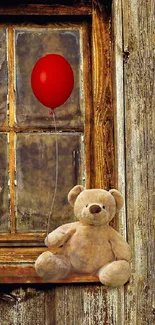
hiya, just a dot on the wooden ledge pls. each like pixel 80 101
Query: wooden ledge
pixel 17 266
pixel 24 273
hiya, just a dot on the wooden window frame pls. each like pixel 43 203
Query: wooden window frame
pixel 27 238
pixel 17 263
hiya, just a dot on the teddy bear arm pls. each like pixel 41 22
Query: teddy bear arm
pixel 59 236
pixel 120 247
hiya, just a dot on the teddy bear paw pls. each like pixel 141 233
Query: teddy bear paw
pixel 115 274
pixel 51 267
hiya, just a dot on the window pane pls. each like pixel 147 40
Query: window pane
pixel 35 161
pixel 3 77
pixel 4 192
pixel 30 45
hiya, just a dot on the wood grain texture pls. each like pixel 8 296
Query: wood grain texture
pixel 46 9
pixel 25 238
pixel 25 273
pixel 117 299
pixel 138 26
pixel 54 304
pixel 103 126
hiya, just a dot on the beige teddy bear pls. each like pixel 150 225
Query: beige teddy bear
pixel 90 245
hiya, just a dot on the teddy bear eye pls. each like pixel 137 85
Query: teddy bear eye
pixel 103 206
pixel 86 205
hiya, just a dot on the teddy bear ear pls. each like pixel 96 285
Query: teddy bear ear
pixel 118 198
pixel 72 195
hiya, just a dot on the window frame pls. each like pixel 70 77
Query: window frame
pixel 35 238
pixel 17 263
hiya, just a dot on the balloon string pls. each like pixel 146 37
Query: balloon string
pixel 56 174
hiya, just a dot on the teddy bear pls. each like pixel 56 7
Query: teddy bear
pixel 89 245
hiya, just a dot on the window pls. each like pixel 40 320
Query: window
pixel 27 151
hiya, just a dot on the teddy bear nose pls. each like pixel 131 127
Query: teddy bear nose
pixel 95 208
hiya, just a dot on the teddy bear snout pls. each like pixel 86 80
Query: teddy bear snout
pixel 94 209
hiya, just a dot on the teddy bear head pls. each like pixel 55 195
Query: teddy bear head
pixel 95 206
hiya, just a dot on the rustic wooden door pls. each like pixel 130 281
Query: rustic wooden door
pixel 121 145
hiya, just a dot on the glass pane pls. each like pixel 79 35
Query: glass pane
pixel 3 77
pixel 30 45
pixel 4 191
pixel 35 161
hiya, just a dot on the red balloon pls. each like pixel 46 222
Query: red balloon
pixel 52 80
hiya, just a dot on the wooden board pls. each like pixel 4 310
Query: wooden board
pixel 138 25
pixel 55 304
pixel 47 9
pixel 102 127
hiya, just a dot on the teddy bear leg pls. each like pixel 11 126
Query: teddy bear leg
pixel 115 274
pixel 52 267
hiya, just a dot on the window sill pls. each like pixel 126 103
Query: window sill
pixel 17 266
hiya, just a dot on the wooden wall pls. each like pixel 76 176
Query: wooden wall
pixel 139 100
pixel 133 42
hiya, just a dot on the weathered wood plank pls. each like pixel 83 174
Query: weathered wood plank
pixel 116 297
pixel 138 22
pixel 14 3
pixel 118 104
pixel 102 125
pixel 26 306
pixel 46 10
pixel 55 304
pixel 25 273
pixel 21 238
pixel 17 266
